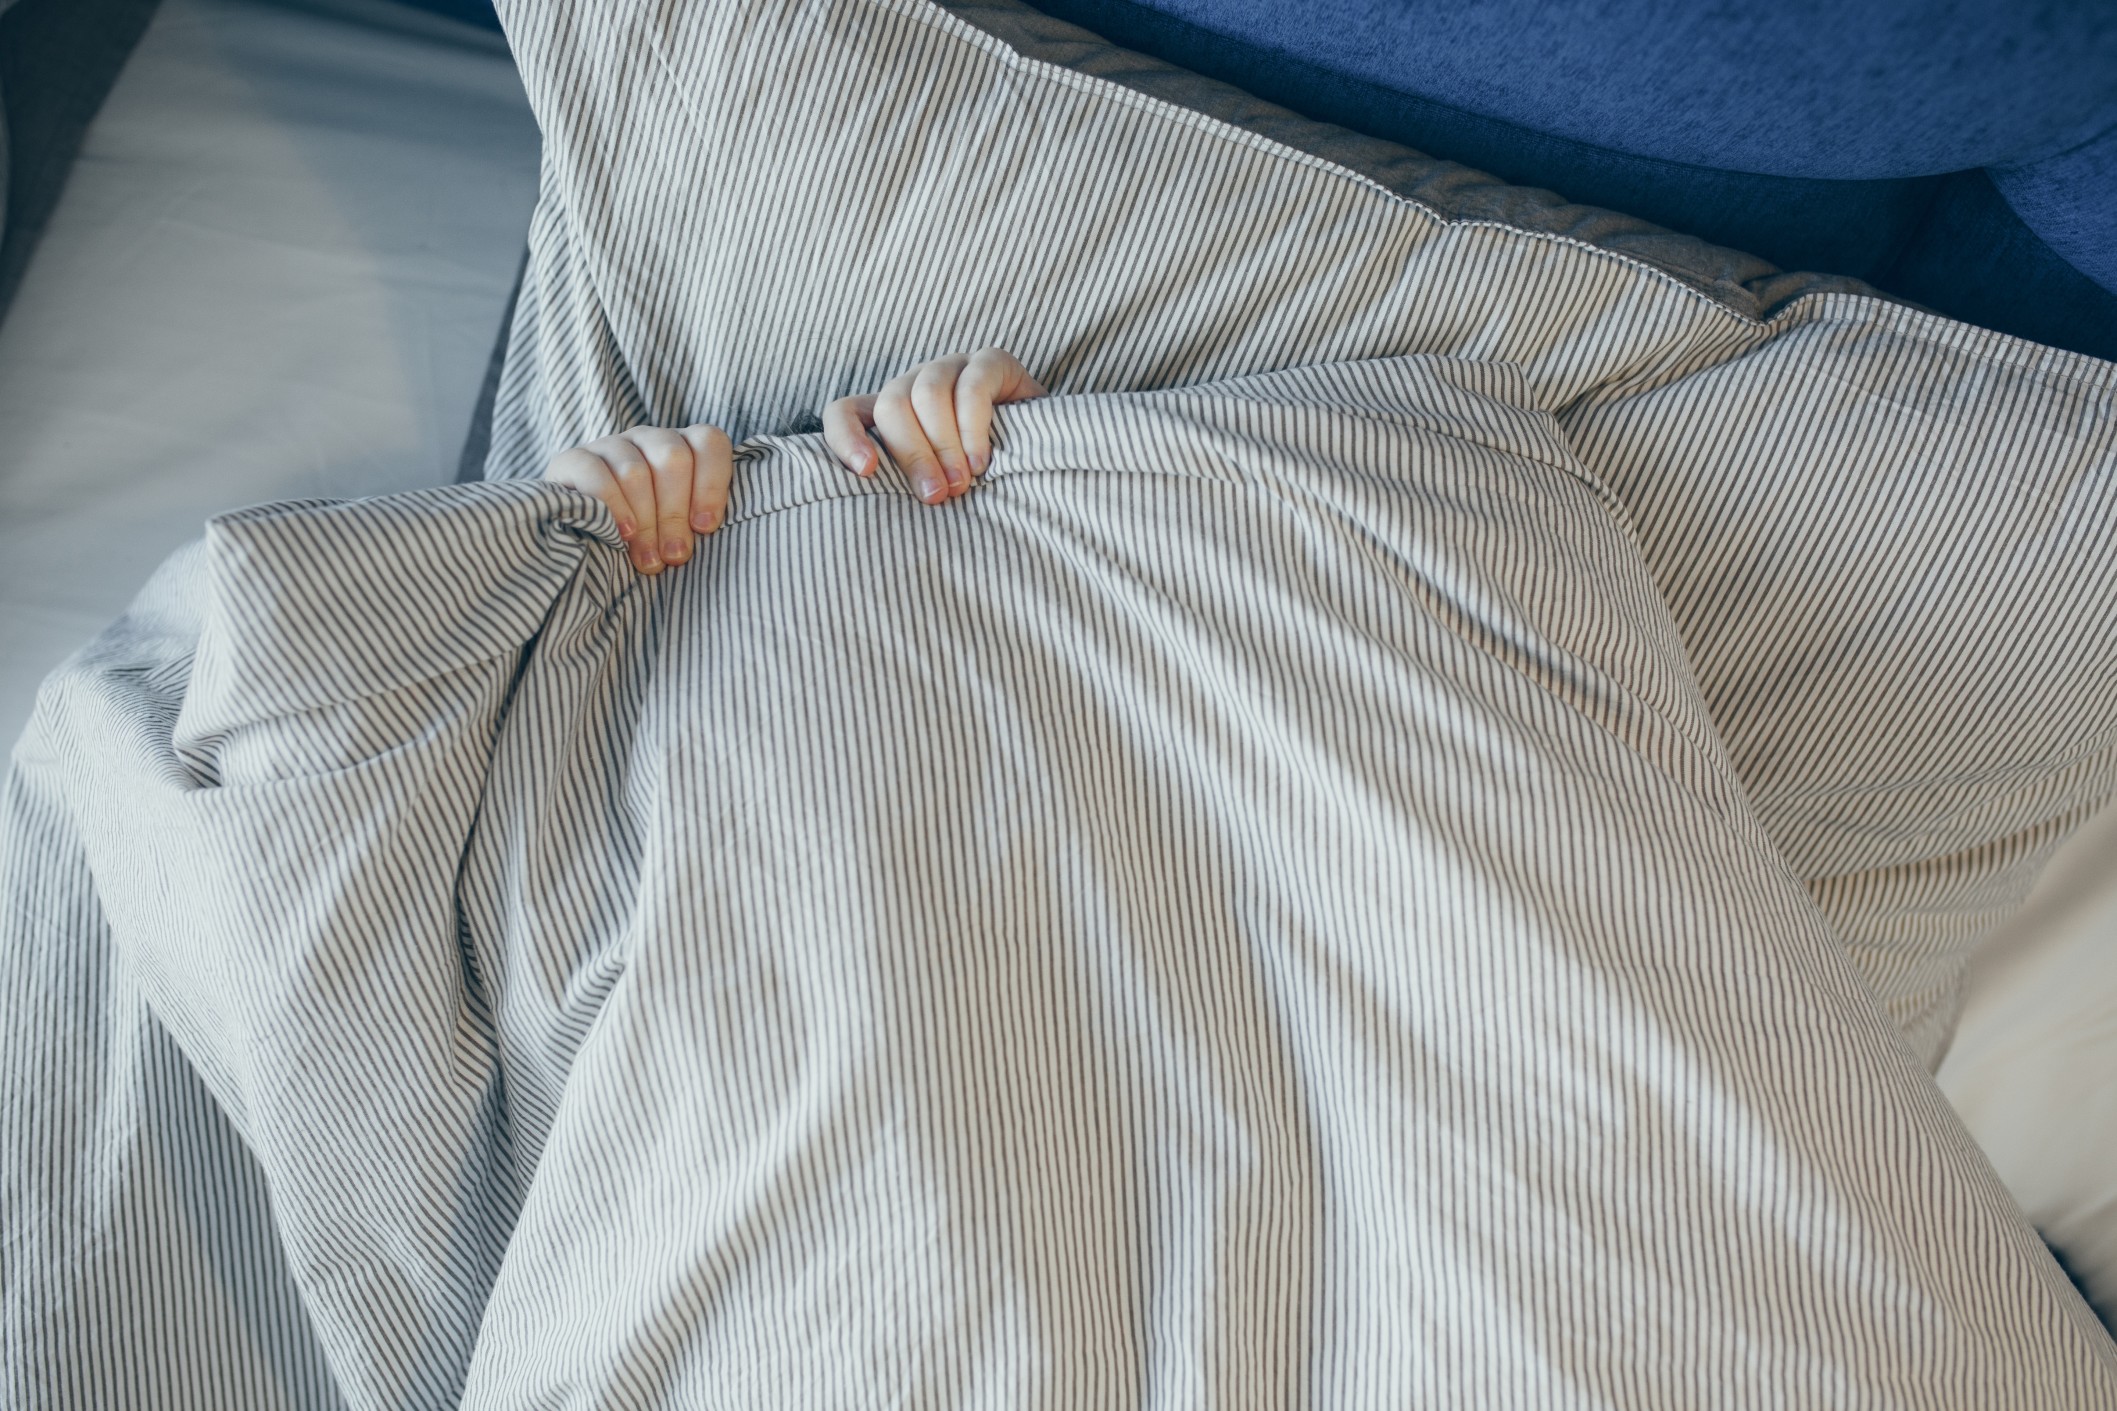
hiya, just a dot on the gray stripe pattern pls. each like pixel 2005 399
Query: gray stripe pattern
pixel 1369 884
pixel 1823 496
pixel 1248 907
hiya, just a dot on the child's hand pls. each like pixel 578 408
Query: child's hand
pixel 935 419
pixel 660 486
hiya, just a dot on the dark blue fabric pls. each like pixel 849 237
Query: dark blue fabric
pixel 2056 197
pixel 1834 89
pixel 1975 260
pixel 1927 231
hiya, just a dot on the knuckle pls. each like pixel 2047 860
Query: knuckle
pixel 935 405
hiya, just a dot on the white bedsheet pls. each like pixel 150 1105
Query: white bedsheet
pixel 2034 1066
pixel 277 270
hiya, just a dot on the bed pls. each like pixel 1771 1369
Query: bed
pixel 307 1347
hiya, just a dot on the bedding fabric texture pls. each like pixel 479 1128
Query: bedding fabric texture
pixel 1824 483
pixel 1111 940
pixel 1251 906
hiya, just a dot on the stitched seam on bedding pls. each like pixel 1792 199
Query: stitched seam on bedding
pixel 2034 360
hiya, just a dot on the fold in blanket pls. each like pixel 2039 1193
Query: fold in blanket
pixel 1246 906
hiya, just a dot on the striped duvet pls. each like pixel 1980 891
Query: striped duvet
pixel 1889 541
pixel 1286 894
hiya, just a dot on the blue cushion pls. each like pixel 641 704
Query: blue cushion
pixel 1863 90
pixel 1975 260
pixel 2071 202
pixel 58 60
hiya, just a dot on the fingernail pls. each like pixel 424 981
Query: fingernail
pixel 625 528
pixel 958 470
pixel 673 550
pixel 979 461
pixel 703 521
pixel 929 488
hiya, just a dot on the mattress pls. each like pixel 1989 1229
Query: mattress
pixel 276 271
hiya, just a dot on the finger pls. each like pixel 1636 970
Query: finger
pixel 713 471
pixel 898 426
pixel 669 453
pixel 845 424
pixel 636 479
pixel 933 397
pixel 585 471
pixel 992 378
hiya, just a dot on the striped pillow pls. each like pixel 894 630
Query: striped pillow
pixel 1887 538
